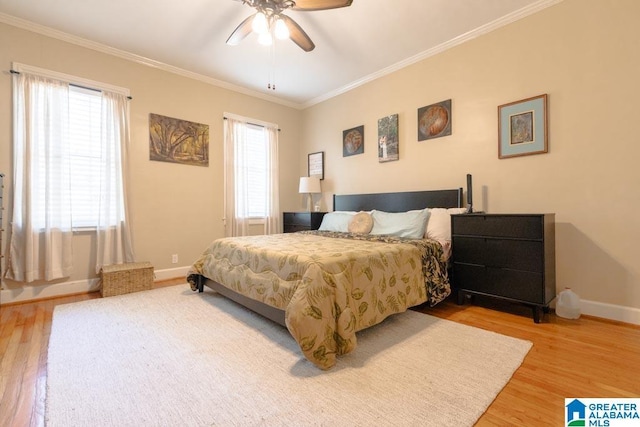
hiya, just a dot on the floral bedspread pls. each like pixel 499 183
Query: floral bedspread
pixel 330 285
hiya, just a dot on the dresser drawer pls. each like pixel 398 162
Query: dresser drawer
pixel 527 255
pixel 513 284
pixel 513 226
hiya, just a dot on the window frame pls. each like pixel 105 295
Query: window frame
pixel 76 82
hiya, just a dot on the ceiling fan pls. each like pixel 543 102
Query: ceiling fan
pixel 269 19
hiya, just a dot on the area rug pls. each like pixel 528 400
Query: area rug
pixel 172 357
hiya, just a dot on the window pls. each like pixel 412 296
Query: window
pixel 69 142
pixel 251 176
pixel 256 156
pixel 85 110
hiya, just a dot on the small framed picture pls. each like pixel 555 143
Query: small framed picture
pixel 522 127
pixel 388 139
pixel 353 141
pixel 315 164
pixel 434 121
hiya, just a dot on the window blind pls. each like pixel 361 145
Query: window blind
pixel 257 157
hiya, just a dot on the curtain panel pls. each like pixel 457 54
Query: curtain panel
pixel 237 216
pixel 41 229
pixel 42 221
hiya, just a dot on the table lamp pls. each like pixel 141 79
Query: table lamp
pixel 309 185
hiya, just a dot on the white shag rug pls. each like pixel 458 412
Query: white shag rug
pixel 172 357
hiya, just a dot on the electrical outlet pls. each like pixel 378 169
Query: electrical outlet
pixel 174 258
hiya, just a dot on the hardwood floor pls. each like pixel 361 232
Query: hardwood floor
pixel 587 357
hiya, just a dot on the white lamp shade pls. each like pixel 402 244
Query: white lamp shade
pixel 309 185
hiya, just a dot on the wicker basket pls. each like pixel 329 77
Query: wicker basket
pixel 120 279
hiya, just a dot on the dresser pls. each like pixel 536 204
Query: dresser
pixel 507 256
pixel 298 221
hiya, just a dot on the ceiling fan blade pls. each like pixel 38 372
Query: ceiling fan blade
pixel 241 31
pixel 297 34
pixel 320 4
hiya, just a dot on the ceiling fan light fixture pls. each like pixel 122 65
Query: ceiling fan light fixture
pixel 265 39
pixel 281 31
pixel 260 24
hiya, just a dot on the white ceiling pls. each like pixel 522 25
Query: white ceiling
pixel 353 45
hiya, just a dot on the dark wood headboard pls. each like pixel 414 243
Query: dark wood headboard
pixel 399 202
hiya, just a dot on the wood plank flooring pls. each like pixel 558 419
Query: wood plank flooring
pixel 587 357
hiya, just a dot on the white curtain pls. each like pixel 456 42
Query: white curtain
pixel 236 187
pixel 272 221
pixel 236 218
pixel 41 229
pixel 113 240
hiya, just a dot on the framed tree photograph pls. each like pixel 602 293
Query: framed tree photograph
pixel 388 149
pixel 178 141
pixel 523 128
pixel 315 164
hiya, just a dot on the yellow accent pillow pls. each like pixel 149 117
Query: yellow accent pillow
pixel 361 223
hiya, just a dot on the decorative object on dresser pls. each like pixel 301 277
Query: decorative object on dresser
pixel 522 127
pixel 310 186
pixel 508 256
pixel 298 221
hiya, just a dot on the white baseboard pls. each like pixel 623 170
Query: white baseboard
pixel 611 311
pixel 30 293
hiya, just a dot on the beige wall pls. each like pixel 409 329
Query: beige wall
pixel 175 209
pixel 584 54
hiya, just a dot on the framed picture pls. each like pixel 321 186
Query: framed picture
pixel 522 127
pixel 315 164
pixel 353 141
pixel 434 120
pixel 178 141
pixel 388 139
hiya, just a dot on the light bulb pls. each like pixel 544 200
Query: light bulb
pixel 281 30
pixel 259 23
pixel 265 39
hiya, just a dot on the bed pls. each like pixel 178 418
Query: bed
pixel 326 285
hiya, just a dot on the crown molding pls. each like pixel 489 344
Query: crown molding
pixel 477 32
pixel 56 34
pixel 89 44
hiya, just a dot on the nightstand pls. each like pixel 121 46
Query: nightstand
pixel 298 221
pixel 507 256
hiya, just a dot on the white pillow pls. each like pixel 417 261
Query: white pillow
pixel 409 224
pixel 336 221
pixel 439 223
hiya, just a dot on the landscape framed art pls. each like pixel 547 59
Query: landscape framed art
pixel 178 141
